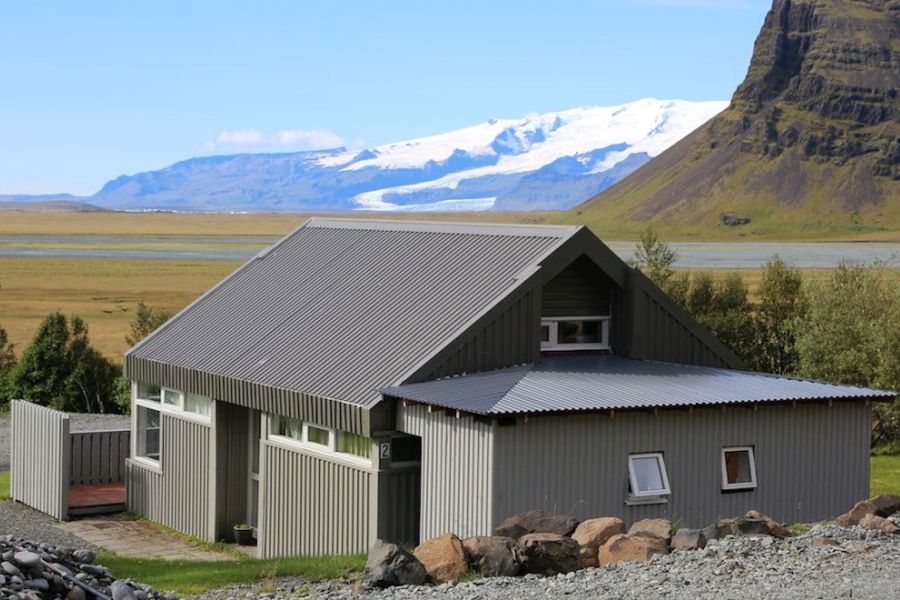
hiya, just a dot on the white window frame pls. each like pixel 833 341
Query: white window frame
pixel 162 398
pixel 305 444
pixel 661 461
pixel 747 485
pixel 178 410
pixel 553 343
pixel 150 405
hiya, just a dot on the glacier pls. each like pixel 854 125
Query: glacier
pixel 546 161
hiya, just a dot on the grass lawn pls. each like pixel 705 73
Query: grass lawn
pixel 885 475
pixel 190 577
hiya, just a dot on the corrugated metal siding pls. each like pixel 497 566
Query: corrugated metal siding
pixel 338 309
pixel 179 496
pixel 811 462
pixel 581 289
pixel 99 456
pixel 232 431
pixel 457 457
pixel 510 338
pixel 657 334
pixel 399 492
pixel 39 458
pixel 325 411
pixel 313 506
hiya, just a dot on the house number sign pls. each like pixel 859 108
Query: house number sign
pixel 385 450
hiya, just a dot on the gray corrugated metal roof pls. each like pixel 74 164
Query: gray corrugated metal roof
pixel 600 382
pixel 341 307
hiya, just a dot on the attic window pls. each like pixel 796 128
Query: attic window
pixel 647 474
pixel 575 333
pixel 738 468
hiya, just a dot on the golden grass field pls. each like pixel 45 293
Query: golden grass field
pixel 104 292
pixel 278 224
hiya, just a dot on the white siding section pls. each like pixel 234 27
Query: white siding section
pixel 178 496
pixel 457 455
pixel 39 458
pixel 312 505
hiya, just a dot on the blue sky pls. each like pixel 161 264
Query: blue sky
pixel 89 91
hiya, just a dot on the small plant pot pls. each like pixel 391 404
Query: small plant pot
pixel 243 535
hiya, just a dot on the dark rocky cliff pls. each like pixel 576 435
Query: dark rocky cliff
pixel 814 126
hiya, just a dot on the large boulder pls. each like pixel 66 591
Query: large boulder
pixel 443 557
pixel 592 534
pixel 689 539
pixel 536 521
pixel 881 506
pixel 547 553
pixel 492 556
pixel 658 528
pixel 876 523
pixel 752 523
pixel 389 564
pixel 627 547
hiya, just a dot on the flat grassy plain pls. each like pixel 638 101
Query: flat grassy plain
pixel 104 292
pixel 278 224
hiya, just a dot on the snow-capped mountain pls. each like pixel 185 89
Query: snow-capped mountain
pixel 548 161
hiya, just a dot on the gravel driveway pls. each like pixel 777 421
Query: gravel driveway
pixel 77 422
pixel 862 565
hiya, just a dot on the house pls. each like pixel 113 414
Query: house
pixel 369 378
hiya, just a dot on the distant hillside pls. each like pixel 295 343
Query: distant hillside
pixel 45 203
pixel 549 161
pixel 809 141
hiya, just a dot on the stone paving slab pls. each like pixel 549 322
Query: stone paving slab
pixel 136 539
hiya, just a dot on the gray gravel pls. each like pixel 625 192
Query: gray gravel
pixel 77 422
pixel 863 565
pixel 22 522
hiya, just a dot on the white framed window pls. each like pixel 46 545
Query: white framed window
pixel 147 442
pixel 357 445
pixel 172 398
pixel 197 404
pixel 738 468
pixel 148 392
pixel 575 333
pixel 321 439
pixel 647 474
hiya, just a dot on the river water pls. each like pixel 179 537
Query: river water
pixel 691 255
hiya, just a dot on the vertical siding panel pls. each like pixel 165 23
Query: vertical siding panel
pixel 314 505
pixel 455 471
pixel 579 464
pixel 178 497
pixel 40 458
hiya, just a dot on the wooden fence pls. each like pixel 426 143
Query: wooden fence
pixel 46 458
pixel 98 456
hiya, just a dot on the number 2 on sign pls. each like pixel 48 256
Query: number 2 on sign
pixel 385 450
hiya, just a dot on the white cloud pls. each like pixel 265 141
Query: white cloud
pixel 313 139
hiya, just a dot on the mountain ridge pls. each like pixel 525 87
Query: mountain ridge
pixel 809 139
pixel 538 162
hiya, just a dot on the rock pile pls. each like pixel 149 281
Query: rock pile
pixel 29 570
pixel 539 543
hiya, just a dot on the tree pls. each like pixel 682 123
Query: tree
pixel 61 369
pixel 851 334
pixel 722 306
pixel 7 364
pixel 781 304
pixel 146 320
pixel 654 258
